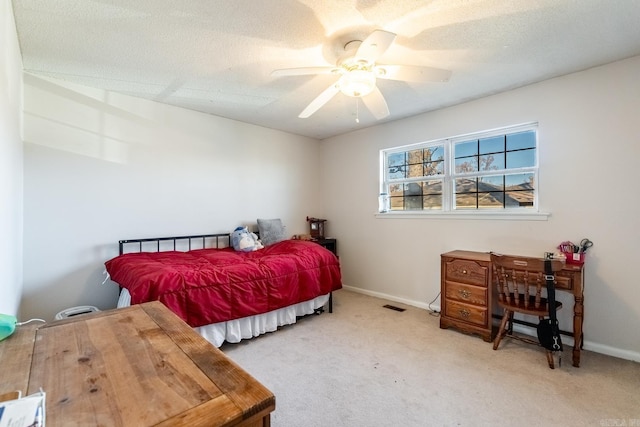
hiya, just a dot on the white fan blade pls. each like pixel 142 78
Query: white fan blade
pixel 412 73
pixel 320 100
pixel 374 46
pixel 376 104
pixel 303 71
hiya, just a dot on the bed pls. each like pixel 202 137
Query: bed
pixel 224 294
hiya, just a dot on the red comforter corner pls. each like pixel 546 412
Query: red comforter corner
pixel 214 285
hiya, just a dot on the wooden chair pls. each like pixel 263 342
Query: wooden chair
pixel 520 281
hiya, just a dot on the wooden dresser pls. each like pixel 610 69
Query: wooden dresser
pixel 135 366
pixel 466 293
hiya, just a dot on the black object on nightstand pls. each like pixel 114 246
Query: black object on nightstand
pixel 332 245
pixel 328 243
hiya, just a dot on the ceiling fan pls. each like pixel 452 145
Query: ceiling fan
pixel 358 72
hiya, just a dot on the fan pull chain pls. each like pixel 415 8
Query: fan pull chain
pixel 357 111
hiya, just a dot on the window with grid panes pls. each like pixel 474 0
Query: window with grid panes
pixel 488 171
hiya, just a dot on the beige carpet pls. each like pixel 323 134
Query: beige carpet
pixel 365 365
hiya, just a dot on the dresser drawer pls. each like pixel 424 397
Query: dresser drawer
pixel 564 280
pixel 466 312
pixel 466 293
pixel 465 271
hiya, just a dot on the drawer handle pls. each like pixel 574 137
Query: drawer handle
pixel 465 313
pixel 464 293
pixel 464 271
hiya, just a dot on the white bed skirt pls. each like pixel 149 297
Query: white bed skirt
pixel 234 331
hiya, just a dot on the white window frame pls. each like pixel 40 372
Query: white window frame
pixel 448 209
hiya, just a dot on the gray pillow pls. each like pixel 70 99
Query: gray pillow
pixel 271 231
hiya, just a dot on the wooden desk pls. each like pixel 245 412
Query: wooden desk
pixel 571 279
pixel 136 366
pixel 467 304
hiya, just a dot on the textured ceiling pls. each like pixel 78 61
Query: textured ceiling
pixel 216 56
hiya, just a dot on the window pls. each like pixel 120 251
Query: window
pixel 488 172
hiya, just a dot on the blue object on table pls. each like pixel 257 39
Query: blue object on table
pixel 7 325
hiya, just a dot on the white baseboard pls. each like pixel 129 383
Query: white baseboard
pixel 434 307
pixel 588 345
pixel 523 329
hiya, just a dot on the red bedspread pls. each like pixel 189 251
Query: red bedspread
pixel 214 285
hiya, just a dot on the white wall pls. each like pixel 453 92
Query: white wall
pixel 10 164
pixel 100 167
pixel 589 150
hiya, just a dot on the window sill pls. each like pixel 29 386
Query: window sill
pixel 515 216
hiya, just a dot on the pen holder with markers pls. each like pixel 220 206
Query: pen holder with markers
pixel 576 258
pixel 575 253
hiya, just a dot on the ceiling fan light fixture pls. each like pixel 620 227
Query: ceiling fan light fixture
pixel 358 71
pixel 357 83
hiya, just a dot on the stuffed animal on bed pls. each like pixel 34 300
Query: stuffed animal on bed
pixel 243 240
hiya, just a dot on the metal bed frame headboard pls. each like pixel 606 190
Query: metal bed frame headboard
pixel 219 238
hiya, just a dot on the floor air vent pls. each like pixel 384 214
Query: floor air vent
pixel 393 307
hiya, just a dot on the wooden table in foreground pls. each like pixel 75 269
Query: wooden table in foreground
pixel 136 366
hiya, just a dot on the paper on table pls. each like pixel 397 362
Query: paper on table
pixel 28 411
